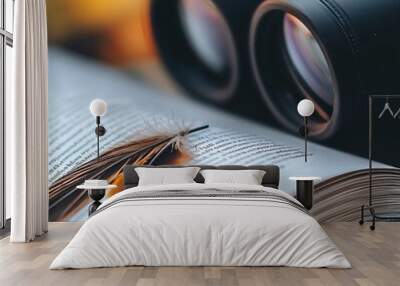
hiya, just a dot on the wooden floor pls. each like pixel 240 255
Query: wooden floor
pixel 375 257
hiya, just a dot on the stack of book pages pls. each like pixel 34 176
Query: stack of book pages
pixel 339 198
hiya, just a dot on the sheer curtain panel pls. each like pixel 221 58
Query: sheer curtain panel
pixel 26 124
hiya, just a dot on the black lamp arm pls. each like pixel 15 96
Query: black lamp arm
pixel 100 131
pixel 305 137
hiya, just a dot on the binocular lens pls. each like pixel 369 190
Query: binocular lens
pixel 311 69
pixel 196 45
pixel 205 30
pixel 291 63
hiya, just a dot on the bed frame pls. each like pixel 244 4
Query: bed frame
pixel 271 177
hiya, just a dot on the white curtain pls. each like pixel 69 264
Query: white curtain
pixel 26 124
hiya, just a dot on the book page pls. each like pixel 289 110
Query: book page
pixel 135 109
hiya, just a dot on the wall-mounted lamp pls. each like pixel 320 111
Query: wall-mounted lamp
pixel 98 108
pixel 305 108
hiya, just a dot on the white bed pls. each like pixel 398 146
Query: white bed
pixel 266 229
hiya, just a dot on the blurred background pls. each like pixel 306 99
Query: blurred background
pixel 202 49
pixel 119 34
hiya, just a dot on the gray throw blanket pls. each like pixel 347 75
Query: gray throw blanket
pixel 203 194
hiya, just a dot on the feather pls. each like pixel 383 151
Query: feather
pixel 152 150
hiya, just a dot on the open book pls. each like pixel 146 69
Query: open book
pixel 135 108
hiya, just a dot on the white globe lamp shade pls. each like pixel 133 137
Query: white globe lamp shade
pixel 98 107
pixel 305 108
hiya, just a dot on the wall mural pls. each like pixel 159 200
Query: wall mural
pixel 218 82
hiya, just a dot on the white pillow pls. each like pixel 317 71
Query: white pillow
pixel 248 177
pixel 164 176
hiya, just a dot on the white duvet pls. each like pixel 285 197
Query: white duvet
pixel 200 231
